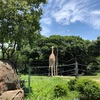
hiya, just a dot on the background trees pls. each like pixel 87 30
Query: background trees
pixel 69 47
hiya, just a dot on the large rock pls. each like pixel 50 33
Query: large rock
pixel 8 78
pixel 13 95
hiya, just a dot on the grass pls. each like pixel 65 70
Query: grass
pixel 96 77
pixel 43 86
pixel 92 77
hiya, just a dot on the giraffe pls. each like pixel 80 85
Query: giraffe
pixel 52 63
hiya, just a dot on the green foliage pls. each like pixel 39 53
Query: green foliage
pixel 88 89
pixel 43 88
pixel 23 86
pixel 93 67
pixel 71 85
pixel 19 23
pixel 69 47
pixel 59 91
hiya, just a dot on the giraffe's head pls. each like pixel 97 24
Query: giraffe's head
pixel 52 47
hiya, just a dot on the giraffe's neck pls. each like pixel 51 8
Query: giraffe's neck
pixel 52 50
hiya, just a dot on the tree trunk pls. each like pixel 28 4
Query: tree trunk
pixel 12 51
pixel 3 52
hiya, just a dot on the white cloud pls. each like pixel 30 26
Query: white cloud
pixel 95 22
pixel 45 31
pixel 96 12
pixel 47 20
pixel 66 12
pixel 94 19
pixel 70 12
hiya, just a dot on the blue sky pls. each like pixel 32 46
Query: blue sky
pixel 71 17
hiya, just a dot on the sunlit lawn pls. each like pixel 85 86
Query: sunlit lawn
pixel 40 80
pixel 42 86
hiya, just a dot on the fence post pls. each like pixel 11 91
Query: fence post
pixel 57 62
pixel 76 69
pixel 29 74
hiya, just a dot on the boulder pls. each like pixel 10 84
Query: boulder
pixel 13 95
pixel 8 78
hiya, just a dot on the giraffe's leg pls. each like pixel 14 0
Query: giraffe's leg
pixel 51 71
pixel 54 70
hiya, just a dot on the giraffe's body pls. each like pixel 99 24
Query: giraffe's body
pixel 52 63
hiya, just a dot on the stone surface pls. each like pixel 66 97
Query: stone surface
pixel 13 95
pixel 8 78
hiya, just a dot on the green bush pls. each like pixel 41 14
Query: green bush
pixel 88 89
pixel 26 89
pixel 59 91
pixel 72 83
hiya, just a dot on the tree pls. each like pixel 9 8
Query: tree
pixel 19 21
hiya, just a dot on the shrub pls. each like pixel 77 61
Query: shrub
pixel 72 83
pixel 59 91
pixel 26 89
pixel 89 90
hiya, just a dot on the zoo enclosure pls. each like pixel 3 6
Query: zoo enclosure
pixel 41 68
